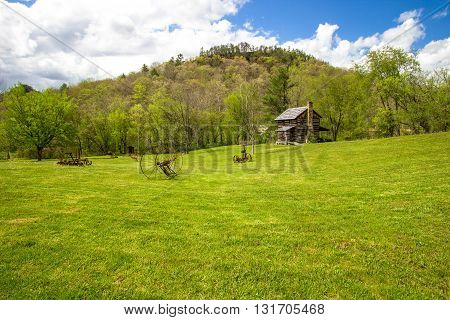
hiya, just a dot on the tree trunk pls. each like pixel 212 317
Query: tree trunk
pixel 337 127
pixel 139 143
pixel 8 155
pixel 334 134
pixel 253 146
pixel 39 153
pixel 80 148
pixel 125 146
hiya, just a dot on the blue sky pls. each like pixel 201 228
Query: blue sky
pixel 290 19
pixel 118 36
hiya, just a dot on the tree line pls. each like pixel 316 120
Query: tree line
pixel 228 94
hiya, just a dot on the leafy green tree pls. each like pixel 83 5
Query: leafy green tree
pixel 433 109
pixel 64 87
pixel 120 124
pixel 139 93
pixel 101 133
pixel 335 103
pixel 343 102
pixel 242 110
pixel 4 141
pixel 154 72
pixel 386 122
pixel 174 121
pixel 138 125
pixel 95 100
pixel 179 60
pixel 276 98
pixel 394 74
pixel 36 119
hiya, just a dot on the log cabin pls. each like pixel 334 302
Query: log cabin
pixel 299 125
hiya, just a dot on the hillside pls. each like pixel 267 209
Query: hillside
pixel 360 219
pixel 225 95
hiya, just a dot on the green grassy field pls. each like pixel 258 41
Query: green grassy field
pixel 348 220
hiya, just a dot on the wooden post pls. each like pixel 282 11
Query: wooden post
pixel 310 116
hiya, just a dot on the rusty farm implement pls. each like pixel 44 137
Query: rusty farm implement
pixel 243 157
pixel 70 160
pixel 153 164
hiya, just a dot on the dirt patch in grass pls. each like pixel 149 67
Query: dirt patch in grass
pixel 23 220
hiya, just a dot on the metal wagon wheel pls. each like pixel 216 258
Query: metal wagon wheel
pixel 148 165
pixel 169 164
pixel 177 162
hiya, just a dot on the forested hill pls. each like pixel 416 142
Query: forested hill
pixel 231 93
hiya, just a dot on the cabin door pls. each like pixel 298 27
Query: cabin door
pixel 289 135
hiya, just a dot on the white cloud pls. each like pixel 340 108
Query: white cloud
pixel 247 25
pixel 116 35
pixel 435 54
pixel 327 45
pixel 412 14
pixel 121 36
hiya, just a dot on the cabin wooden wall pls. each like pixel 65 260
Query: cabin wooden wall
pixel 316 125
pixel 301 128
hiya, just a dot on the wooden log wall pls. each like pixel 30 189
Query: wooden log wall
pixel 298 134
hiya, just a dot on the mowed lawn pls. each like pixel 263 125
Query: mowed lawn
pixel 347 220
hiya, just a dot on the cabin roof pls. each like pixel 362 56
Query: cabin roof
pixel 285 128
pixel 291 113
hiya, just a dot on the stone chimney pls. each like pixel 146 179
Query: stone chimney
pixel 310 115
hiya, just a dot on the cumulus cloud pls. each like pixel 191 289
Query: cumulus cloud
pixel 117 36
pixel 435 54
pixel 327 45
pixel 120 37
pixel 412 14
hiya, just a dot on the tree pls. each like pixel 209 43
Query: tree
pixel 173 119
pixel 144 68
pixel 64 87
pixel 386 122
pixel 154 72
pixel 335 104
pixel 394 74
pixel 179 60
pixel 120 125
pixel 343 103
pixel 94 103
pixel 276 97
pixel 138 123
pixel 429 110
pixel 242 111
pixel 438 90
pixel 37 118
pixel 4 141
pixel 139 93
pixel 101 132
